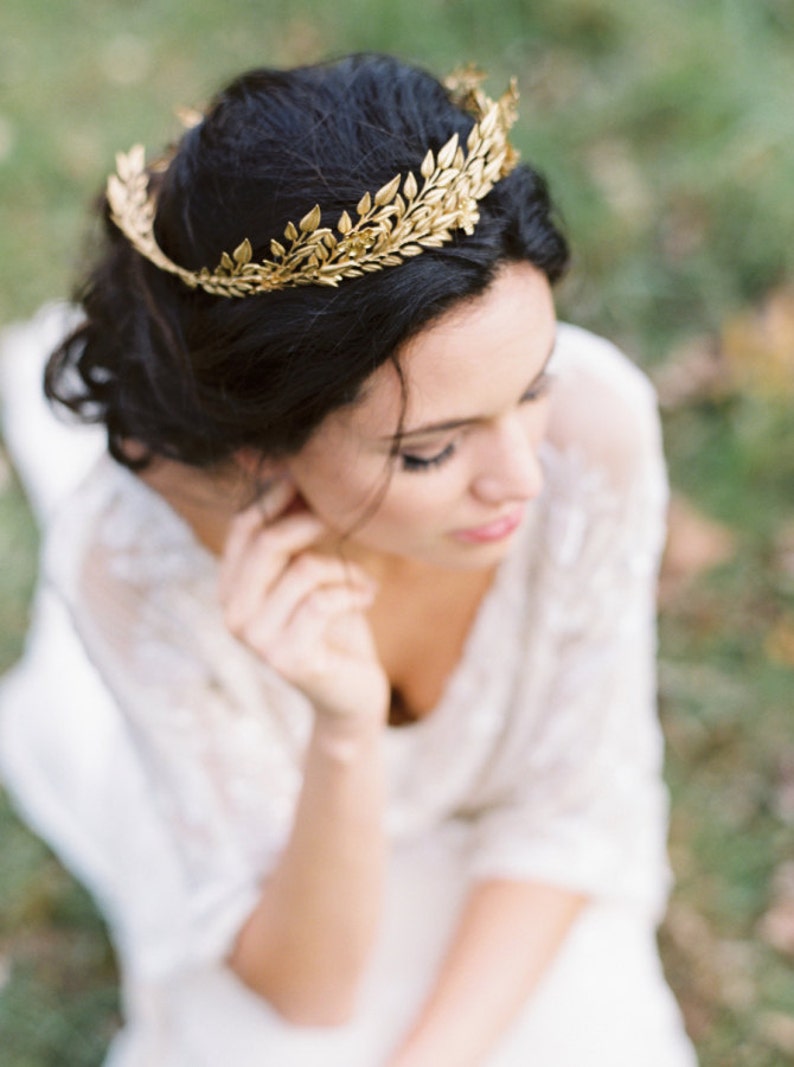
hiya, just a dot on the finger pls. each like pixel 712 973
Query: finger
pixel 301 648
pixel 267 597
pixel 248 533
pixel 275 498
pixel 272 502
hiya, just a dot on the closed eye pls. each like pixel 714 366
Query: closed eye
pixel 538 389
pixel 423 463
pixel 414 463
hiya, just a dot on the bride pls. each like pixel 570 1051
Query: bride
pixel 351 728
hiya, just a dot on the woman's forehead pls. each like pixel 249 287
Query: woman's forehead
pixel 481 354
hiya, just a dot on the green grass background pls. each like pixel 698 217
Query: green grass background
pixel 666 129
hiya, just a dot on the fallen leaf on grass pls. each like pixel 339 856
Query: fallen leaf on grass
pixel 779 643
pixel 753 351
pixel 777 1029
pixel 695 371
pixel 776 927
pixel 695 544
pixel 689 948
pixel 736 963
pixel 758 345
pixel 715 973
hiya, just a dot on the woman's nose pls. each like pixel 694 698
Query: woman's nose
pixel 509 468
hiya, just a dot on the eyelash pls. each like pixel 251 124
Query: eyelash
pixel 418 464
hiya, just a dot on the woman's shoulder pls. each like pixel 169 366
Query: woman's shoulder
pixel 604 410
pixel 114 538
pixel 50 455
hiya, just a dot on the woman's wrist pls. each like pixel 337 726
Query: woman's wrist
pixel 344 737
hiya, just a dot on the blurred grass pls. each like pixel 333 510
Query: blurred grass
pixel 666 129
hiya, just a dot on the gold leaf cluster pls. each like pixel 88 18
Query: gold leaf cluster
pixel 405 216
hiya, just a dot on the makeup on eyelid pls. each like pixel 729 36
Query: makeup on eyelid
pixel 413 463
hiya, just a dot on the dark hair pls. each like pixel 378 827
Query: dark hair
pixel 194 377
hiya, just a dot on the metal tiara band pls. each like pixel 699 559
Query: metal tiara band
pixel 398 221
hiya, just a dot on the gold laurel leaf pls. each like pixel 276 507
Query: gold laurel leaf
pixel 411 250
pixel 447 153
pixel 475 168
pixel 410 187
pixel 492 170
pixel 226 261
pixel 386 193
pixel 446 222
pixel 459 159
pixel 428 165
pixel 345 224
pixel 115 192
pixel 133 163
pixel 243 252
pixel 290 232
pixel 277 249
pixel 364 205
pixel 310 221
pixel 123 166
pixel 488 123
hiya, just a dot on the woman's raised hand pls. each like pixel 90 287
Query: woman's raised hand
pixel 300 611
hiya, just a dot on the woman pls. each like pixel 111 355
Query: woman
pixel 369 582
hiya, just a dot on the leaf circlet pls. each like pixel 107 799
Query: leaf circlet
pixel 398 221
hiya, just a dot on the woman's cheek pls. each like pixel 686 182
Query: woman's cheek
pixel 424 494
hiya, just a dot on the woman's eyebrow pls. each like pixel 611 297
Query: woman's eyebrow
pixel 456 424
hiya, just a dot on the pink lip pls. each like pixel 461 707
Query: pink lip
pixel 492 531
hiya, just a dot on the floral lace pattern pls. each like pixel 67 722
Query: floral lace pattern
pixel 545 740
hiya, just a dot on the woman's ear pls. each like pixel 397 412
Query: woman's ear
pixel 254 465
pixel 261 476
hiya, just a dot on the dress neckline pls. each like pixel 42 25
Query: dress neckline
pixel 504 593
pixel 502 598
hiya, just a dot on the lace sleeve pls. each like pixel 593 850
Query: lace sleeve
pixel 577 798
pixel 216 736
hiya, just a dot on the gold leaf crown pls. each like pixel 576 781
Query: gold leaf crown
pixel 398 221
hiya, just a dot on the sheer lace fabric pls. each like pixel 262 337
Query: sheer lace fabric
pixel 542 759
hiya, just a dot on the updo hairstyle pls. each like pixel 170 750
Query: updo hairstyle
pixel 195 377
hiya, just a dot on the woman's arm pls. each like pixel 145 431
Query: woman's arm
pixel 305 946
pixel 508 935
pixel 307 942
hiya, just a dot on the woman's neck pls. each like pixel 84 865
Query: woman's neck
pixel 206 501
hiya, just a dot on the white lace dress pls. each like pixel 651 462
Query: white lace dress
pixel 165 771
